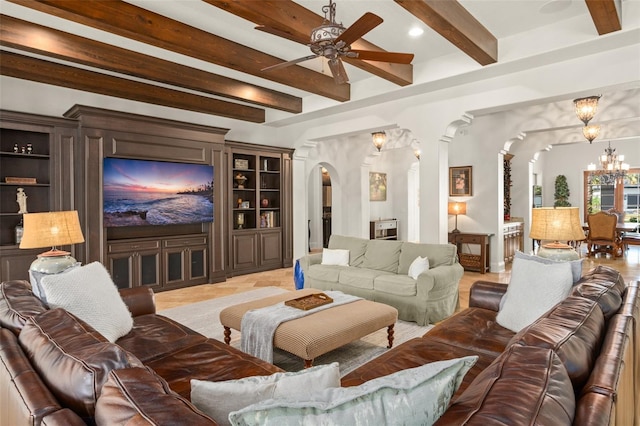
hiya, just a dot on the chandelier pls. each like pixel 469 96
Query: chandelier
pixel 612 167
pixel 585 111
pixel 586 108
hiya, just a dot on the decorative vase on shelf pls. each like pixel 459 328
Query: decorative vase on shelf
pixel 265 202
pixel 240 180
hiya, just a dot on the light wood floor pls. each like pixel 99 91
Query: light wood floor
pixel 628 265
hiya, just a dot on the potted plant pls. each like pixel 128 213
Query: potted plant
pixel 561 196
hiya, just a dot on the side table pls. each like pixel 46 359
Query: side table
pixel 469 261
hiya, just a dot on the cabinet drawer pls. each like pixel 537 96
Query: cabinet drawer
pixel 129 246
pixel 386 224
pixel 184 242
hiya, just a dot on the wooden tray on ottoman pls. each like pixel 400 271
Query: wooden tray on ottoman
pixel 309 302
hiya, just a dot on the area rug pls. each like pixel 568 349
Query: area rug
pixel 204 317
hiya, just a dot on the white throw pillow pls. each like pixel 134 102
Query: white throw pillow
pixel 418 266
pixel 413 396
pixel 576 265
pixel 335 257
pixel 89 293
pixel 534 288
pixel 218 399
pixel 35 278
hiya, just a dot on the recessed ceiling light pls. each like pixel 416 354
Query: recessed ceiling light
pixel 416 31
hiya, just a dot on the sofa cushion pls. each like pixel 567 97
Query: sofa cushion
pixel 17 305
pixel 383 255
pixel 414 396
pixel 574 329
pixel 356 247
pixel 360 277
pixel 438 254
pixel 605 293
pixel 329 273
pixel 89 293
pixel 400 285
pixel 524 386
pixel 529 295
pixel 218 399
pixel 72 358
pixel 138 396
pixel 153 336
pixel 208 360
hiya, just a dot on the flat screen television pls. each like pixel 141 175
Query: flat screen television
pixel 145 192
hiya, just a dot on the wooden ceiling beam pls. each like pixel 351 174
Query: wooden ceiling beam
pixel 46 41
pixel 130 21
pixel 295 22
pixel 605 15
pixel 453 22
pixel 28 68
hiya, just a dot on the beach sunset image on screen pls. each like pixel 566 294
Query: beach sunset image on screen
pixel 143 192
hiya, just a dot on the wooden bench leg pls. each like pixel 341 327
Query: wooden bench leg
pixel 308 363
pixel 227 335
pixel 390 335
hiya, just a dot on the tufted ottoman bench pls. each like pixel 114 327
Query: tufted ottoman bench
pixel 318 333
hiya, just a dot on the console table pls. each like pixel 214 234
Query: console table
pixel 471 261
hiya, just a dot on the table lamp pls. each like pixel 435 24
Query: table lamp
pixel 456 208
pixel 51 229
pixel 556 224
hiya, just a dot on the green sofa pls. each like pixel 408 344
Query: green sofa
pixel 378 271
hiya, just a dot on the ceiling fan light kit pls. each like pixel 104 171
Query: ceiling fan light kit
pixel 333 42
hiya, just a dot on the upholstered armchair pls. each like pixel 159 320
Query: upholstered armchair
pixel 603 236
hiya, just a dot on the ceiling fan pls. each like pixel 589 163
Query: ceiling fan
pixel 333 41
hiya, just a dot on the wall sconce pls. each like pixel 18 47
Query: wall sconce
pixel 417 153
pixel 456 208
pixel 591 132
pixel 586 108
pixel 379 139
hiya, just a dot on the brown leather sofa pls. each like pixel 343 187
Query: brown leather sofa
pixel 577 364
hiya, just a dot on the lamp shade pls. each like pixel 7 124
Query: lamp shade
pixel 51 229
pixel 458 207
pixel 557 224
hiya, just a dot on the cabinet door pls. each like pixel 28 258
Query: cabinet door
pixel 245 250
pixel 148 268
pixel 270 248
pixel 15 263
pixel 174 266
pixel 197 264
pixel 121 267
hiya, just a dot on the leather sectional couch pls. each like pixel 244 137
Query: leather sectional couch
pixel 577 364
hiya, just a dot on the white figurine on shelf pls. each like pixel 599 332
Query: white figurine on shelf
pixel 21 199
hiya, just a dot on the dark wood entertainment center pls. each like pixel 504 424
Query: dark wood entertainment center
pixel 67 160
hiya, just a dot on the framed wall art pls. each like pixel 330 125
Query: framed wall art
pixel 377 186
pixel 460 181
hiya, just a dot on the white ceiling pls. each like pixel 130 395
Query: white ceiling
pixel 526 29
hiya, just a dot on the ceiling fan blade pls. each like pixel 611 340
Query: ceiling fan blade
pixel 289 63
pixel 282 33
pixel 393 57
pixel 366 23
pixel 339 73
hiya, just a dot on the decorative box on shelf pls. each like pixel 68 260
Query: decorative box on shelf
pixel 24 180
pixel 241 164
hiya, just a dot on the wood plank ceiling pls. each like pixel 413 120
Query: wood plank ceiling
pixel 208 92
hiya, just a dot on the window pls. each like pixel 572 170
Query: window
pixel 601 195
